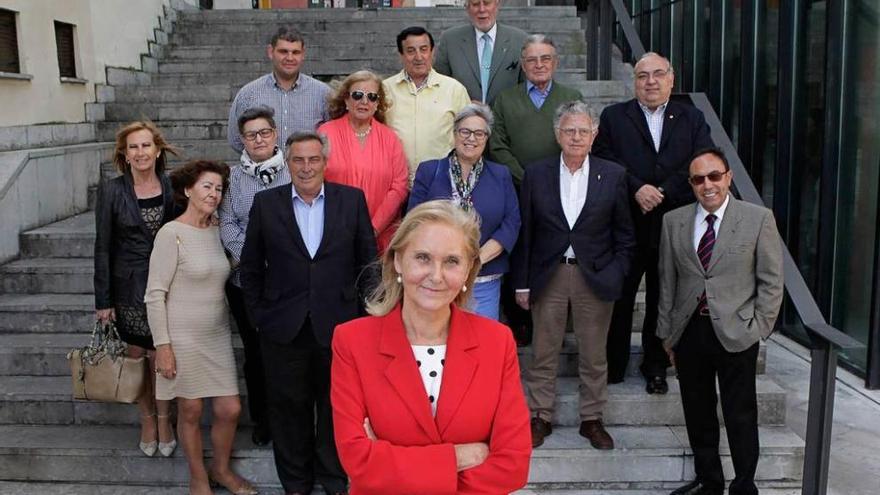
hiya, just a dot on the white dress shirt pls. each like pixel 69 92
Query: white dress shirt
pixel 573 193
pixel 655 122
pixel 480 41
pixel 700 224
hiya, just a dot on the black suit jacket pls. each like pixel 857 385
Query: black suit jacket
pixel 602 236
pixel 624 138
pixel 282 285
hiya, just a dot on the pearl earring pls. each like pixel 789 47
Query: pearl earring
pixel 399 279
pixel 464 288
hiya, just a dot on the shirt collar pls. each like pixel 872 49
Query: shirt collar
pixel 431 80
pixel 660 109
pixel 719 214
pixel 274 81
pixel 492 32
pixel 297 196
pixel 564 170
pixel 529 87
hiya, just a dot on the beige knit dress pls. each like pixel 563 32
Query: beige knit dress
pixel 186 307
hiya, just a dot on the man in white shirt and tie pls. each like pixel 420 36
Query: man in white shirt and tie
pixel 574 249
pixel 483 56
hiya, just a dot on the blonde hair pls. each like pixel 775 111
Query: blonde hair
pixel 389 291
pixel 122 143
pixel 336 101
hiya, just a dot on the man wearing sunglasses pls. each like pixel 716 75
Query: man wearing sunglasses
pixel 721 286
pixel 653 137
pixel 424 103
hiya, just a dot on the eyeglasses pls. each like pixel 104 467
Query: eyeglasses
pixel 715 176
pixel 478 134
pixel 571 131
pixel 544 59
pixel 657 74
pixel 358 95
pixel 263 133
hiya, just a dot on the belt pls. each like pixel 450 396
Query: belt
pixel 565 260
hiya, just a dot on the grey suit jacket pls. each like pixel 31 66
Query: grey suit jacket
pixel 743 283
pixel 456 57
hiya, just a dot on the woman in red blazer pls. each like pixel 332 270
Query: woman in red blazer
pixel 398 431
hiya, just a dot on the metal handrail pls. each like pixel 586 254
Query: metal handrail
pixel 825 339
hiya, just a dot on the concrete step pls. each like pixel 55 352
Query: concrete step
pixel 101 454
pixel 29 488
pixel 72 237
pixel 126 112
pixel 363 45
pixel 164 94
pixel 48 276
pixel 46 313
pixel 508 14
pixel 47 400
pixel 175 130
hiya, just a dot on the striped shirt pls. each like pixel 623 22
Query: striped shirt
pixel 655 123
pixel 235 210
pixel 302 108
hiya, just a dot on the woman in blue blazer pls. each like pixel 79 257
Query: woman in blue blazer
pixel 486 187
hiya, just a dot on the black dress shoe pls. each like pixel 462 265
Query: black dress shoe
pixel 696 488
pixel 540 429
pixel 261 436
pixel 596 434
pixel 657 385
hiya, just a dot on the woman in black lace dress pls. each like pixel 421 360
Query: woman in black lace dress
pixel 129 211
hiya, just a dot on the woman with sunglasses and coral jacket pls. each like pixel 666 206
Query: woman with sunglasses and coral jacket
pixel 365 153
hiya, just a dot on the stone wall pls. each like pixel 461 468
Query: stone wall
pixel 44 185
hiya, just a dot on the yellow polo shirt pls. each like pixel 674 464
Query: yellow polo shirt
pixel 423 119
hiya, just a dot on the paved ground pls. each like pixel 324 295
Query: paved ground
pixel 855 447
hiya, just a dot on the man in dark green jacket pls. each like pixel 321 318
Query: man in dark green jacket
pixel 523 131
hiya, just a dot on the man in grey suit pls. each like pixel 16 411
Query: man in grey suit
pixel 720 291
pixel 483 56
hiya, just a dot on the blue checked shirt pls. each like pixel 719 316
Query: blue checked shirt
pixel 302 108
pixel 655 123
pixel 235 210
pixel 536 95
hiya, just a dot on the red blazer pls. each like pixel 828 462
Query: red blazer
pixel 481 399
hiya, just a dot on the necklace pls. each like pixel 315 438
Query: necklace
pixel 364 133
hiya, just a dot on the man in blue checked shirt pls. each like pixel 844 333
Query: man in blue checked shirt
pixel 299 101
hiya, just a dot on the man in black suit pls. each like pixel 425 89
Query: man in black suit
pixel 653 137
pixel 574 251
pixel 303 271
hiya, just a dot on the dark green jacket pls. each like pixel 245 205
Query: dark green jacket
pixel 523 134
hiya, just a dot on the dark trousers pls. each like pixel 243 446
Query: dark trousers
pixel 298 375
pixel 699 358
pixel 253 356
pixel 654 360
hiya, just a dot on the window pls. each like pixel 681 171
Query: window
pixel 8 43
pixel 66 53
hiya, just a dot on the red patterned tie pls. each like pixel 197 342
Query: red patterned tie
pixel 704 252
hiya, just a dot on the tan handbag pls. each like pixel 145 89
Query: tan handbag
pixel 102 372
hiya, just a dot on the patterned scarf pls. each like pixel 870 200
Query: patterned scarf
pixel 265 170
pixel 463 188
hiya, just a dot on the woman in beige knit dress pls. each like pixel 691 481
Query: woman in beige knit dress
pixel 188 316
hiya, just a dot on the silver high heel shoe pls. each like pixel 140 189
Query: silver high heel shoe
pixel 167 449
pixel 148 448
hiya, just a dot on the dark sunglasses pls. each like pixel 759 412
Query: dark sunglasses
pixel 715 176
pixel 357 95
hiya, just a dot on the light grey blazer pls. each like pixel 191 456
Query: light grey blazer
pixel 456 57
pixel 743 284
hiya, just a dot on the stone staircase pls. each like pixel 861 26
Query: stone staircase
pixel 52 444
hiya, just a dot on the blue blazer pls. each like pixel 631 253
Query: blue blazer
pixel 602 236
pixel 494 200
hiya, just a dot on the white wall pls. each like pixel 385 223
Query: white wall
pixel 108 32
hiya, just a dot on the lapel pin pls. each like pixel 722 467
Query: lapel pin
pixel 599 177
pixel 671 117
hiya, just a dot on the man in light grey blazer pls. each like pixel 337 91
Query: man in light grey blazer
pixel 720 290
pixel 484 55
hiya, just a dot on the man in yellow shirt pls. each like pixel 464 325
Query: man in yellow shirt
pixel 424 102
